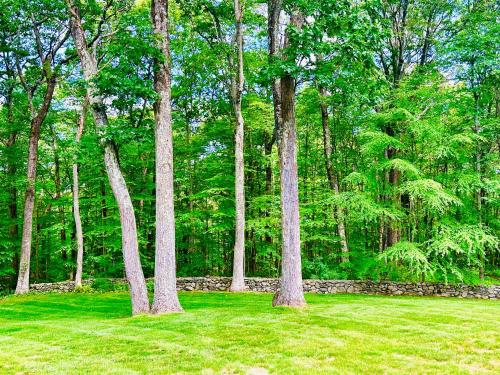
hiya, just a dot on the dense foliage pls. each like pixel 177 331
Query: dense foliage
pixel 412 97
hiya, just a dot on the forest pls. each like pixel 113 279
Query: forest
pixel 321 139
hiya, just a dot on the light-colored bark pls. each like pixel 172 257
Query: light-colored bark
pixel 291 291
pixel 76 204
pixel 273 28
pixel 332 177
pixel 238 280
pixel 130 246
pixel 165 293
pixel 23 278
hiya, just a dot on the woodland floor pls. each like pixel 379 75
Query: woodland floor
pixel 241 333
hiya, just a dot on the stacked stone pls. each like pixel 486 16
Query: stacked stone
pixel 267 285
pixel 61 287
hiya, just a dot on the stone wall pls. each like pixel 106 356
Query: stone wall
pixel 314 286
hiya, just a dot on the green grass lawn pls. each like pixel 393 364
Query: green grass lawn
pixel 241 333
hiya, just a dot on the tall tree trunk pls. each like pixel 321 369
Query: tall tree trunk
pixel 165 294
pixel 130 246
pixel 291 290
pixel 76 203
pixel 238 280
pixel 23 278
pixel 332 177
pixel 273 17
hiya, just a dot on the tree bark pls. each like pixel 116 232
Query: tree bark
pixel 60 208
pixel 274 10
pixel 476 129
pixel 427 39
pixel 332 177
pixel 29 200
pixel 291 290
pixel 130 246
pixel 393 232
pixel 238 280
pixel 165 292
pixel 76 204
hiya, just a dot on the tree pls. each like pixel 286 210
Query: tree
pixel 291 291
pixel 130 246
pixel 238 281
pixel 165 296
pixel 331 174
pixel 9 83
pixel 476 57
pixel 29 200
pixel 48 64
pixel 76 202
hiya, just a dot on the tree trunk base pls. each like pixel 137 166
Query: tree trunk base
pixel 238 286
pixel 140 306
pixel 23 286
pixel 21 290
pixel 168 306
pixel 290 301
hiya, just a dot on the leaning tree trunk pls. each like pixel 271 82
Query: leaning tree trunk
pixel 76 205
pixel 23 278
pixel 165 293
pixel 332 178
pixel 238 280
pixel 130 246
pixel 291 291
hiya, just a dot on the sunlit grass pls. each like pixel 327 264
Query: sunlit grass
pixel 242 333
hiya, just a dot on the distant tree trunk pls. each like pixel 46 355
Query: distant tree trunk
pixel 165 293
pixel 394 69
pixel 130 246
pixel 76 204
pixel 393 232
pixel 274 10
pixel 332 177
pixel 12 207
pixel 427 38
pixel 60 208
pixel 291 291
pixel 11 174
pixel 268 149
pixel 478 157
pixel 23 278
pixel 238 280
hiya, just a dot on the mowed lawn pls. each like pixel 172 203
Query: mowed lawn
pixel 223 333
